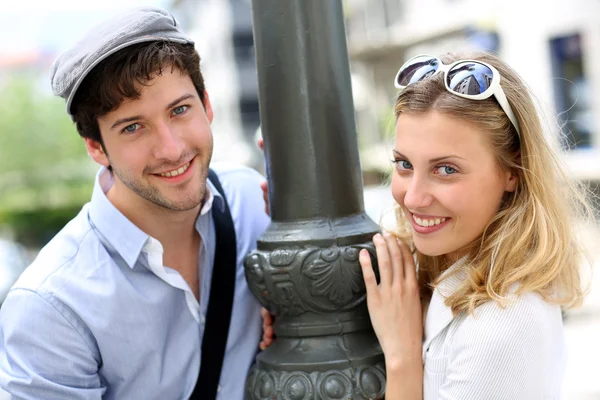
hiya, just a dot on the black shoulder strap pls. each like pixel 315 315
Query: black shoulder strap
pixel 220 303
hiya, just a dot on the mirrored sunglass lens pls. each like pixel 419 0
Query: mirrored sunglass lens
pixel 420 68
pixel 469 77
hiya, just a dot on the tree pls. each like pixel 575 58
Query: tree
pixel 45 174
pixel 43 162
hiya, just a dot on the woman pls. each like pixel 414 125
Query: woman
pixel 491 216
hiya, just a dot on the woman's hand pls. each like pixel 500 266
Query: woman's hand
pixel 268 333
pixel 394 305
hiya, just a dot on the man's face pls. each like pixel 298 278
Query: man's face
pixel 159 145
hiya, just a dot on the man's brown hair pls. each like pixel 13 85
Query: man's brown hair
pixel 119 77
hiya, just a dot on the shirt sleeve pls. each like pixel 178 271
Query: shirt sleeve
pixel 500 353
pixel 43 354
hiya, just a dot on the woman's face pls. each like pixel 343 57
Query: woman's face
pixel 447 181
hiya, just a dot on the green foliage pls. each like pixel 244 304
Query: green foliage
pixel 34 228
pixel 42 158
pixel 45 173
pixel 36 131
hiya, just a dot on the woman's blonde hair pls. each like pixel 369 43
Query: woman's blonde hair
pixel 531 241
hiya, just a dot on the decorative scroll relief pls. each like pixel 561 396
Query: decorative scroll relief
pixel 294 280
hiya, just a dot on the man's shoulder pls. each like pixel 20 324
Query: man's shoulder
pixel 72 248
pixel 232 173
pixel 240 183
pixel 245 198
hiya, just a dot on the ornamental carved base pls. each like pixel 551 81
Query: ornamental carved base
pixel 325 347
pixel 350 383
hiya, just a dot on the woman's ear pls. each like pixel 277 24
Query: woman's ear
pixel 512 182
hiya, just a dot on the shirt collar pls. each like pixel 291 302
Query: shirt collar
pixel 122 234
pixel 212 196
pixel 452 278
pixel 438 314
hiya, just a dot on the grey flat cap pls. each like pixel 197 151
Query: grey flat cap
pixel 142 24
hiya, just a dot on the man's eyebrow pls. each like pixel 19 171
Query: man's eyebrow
pixel 433 160
pixel 179 100
pixel 124 120
pixel 136 117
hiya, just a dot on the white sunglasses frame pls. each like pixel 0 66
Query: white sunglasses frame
pixel 493 90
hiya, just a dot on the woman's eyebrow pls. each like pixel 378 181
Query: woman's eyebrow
pixel 433 160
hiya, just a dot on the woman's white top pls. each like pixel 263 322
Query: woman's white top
pixel 513 353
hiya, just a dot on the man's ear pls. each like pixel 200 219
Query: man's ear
pixel 96 151
pixel 208 107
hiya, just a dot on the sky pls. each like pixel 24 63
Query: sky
pixel 42 25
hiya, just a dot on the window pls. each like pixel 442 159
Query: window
pixel 393 11
pixel 571 91
pixel 243 46
pixel 250 116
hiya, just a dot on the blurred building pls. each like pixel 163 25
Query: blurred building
pixel 222 30
pixel 554 45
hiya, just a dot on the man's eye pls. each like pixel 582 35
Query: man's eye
pixel 179 110
pixel 131 128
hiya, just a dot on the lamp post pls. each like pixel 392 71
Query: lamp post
pixel 305 270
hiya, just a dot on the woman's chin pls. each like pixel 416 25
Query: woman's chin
pixel 431 251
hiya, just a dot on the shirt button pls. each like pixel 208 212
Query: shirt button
pixel 203 320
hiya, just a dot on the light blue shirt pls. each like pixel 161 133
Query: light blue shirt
pixel 98 315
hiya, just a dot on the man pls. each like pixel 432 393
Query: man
pixel 115 306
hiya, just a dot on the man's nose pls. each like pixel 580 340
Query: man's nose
pixel 169 145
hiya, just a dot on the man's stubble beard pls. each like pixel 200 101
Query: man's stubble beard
pixel 152 194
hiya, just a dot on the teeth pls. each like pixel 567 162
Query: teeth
pixel 428 222
pixel 176 172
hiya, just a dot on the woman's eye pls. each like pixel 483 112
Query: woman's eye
pixel 179 110
pixel 446 170
pixel 403 164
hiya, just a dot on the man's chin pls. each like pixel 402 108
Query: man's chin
pixel 181 206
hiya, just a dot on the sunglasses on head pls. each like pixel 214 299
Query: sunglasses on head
pixel 470 79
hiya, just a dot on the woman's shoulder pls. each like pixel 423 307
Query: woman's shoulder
pixel 525 316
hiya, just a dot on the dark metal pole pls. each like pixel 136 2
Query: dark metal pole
pixel 306 270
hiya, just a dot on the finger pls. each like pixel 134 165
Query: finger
pixel 264 186
pixel 266 316
pixel 383 260
pixel 265 343
pixel 395 257
pixel 261 143
pixel 269 333
pixel 368 274
pixel 410 270
pixel 264 313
